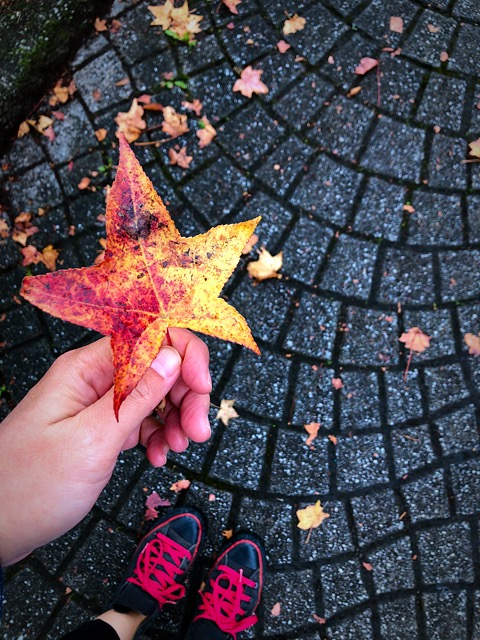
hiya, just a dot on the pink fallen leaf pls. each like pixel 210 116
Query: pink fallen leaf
pixel 151 514
pixel 250 83
pixel 180 158
pixel 232 5
pixel 312 430
pixel 337 383
pixel 154 500
pixel 180 485
pixel 196 106
pixel 473 343
pixel 206 134
pixel 283 46
pixel 366 64
pixel 31 255
pixel 276 609
pixel 396 24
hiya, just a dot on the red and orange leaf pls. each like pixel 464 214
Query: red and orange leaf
pixel 250 83
pixel 415 340
pixel 232 5
pixel 151 279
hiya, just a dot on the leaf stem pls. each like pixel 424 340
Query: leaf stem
pixel 408 365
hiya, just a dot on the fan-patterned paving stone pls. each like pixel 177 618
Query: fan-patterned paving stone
pixel 398 620
pixel 24 317
pixel 445 385
pixel 427 498
pixel 216 510
pixel 73 134
pixel 458 270
pixel 459 431
pixel 54 554
pixel 437 219
pixel 392 567
pixel 275 218
pixel 71 616
pixel 380 212
pixel 302 101
pixel 412 449
pixel 361 461
pixel 376 515
pixel 69 177
pixel 350 267
pixel 331 538
pixel 313 396
pixel 370 337
pixel 467 9
pixel 441 100
pixel 25 365
pixel 353 627
pixel 340 66
pixel 445 613
pixel 375 19
pixel 446 168
pixel 466 49
pixel 206 52
pixel 342 586
pixel 407 276
pixel 446 553
pixel 26 152
pixel 34 189
pixel 298 468
pixel 466 486
pixel 295 592
pixel 305 249
pixel 314 325
pixel 359 401
pixel 473 204
pixel 279 71
pixel 214 89
pixel 127 464
pixel 196 454
pixel 431 35
pixel 287 161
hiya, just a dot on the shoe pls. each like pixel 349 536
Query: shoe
pixel 232 591
pixel 158 567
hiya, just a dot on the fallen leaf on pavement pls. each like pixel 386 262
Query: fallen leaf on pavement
pixel 180 158
pixel 206 134
pixel 31 255
pixel 174 124
pixel 283 46
pixel 154 500
pixel 227 533
pixel 367 566
pixel 180 485
pixel 232 5
pixel 196 106
pixel 473 343
pixel 444 56
pixel 23 129
pixel 311 517
pixel 49 257
pixel 415 340
pixel 432 28
pixel 178 22
pixel 250 244
pixel 131 123
pixel 100 25
pixel 101 134
pixel 276 609
pixel 396 24
pixel 226 412
pixel 312 429
pixel 84 182
pixel 474 148
pixel 293 24
pixel 337 383
pixel 318 619
pixel 250 83
pixel 366 64
pixel 266 266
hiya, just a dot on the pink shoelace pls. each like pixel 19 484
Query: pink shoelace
pixel 224 603
pixel 157 566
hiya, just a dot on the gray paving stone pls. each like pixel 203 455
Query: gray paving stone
pixel 101 75
pixel 297 468
pixel 370 337
pixel 354 627
pixel 275 218
pixel 294 591
pixel 224 16
pixel 287 161
pixel 342 586
pixel 216 511
pixel 407 277
pixel 341 127
pixel 466 486
pixel 12 281
pixel 264 395
pixel 437 325
pixel 271 520
pixel 445 613
pixel 412 449
pixel 467 9
pixel 392 566
pixel 73 135
pixel 381 209
pixel 240 457
pixel 199 156
pixel 469 318
pixel 458 431
pixel 361 461
pixel 9 253
pixel 29 602
pixel 94 46
pixel 70 616
pixel 313 399
pixel 70 177
pixel 127 464
pixel 303 100
pixel 463 58
pixel 24 366
pixel 250 38
pixel 84 211
pixel 395 149
pixel 375 19
pixel 20 324
pixel 36 188
pixel 305 249
pixel 445 168
pixel 214 89
pixel 446 553
pixel 350 268
pixel 445 385
pixel 426 45
pixel 279 70
pixel 312 331
pixel 250 134
pixel 437 219
pixel 376 516
pixel 277 13
pixel 473 203
pixel 66 336
pixel 340 66
pixel 427 498
pixel 404 400
pixel 328 189
pixel 26 152
pixel 457 270
pixel 331 538
pixel 398 619
pixel 359 408
pixel 441 100
pixel 264 305
pixel 206 51
pixel 53 554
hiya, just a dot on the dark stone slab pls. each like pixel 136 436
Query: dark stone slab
pixel 136 39
pixel 437 219
pixel 36 188
pixel 342 586
pixel 466 486
pixel 427 498
pixel 380 210
pixel 206 52
pixel 446 553
pixel 70 177
pixel 294 591
pixel 458 431
pixel 445 168
pixel 66 336
pixel 398 619
pixel 370 337
pixel 214 89
pixel 279 70
pixel 53 554
pixel 328 189
pixel 473 203
pixel 199 156
pixel 446 614
pixel 148 75
pixel 93 46
pixel 196 454
pixel 395 149
pixel 458 270
pixel 9 253
pixel 127 464
pixel 404 400
pixel 240 456
pixel 464 57
pixel 70 616
pixel 275 218
pixel 250 38
pixel 250 134
pixel 297 468
pixel 340 66
pixel 73 135
pixel 303 100
pixel 281 168
pixel 376 516
pixel 445 385
pixel 441 100
pixel 437 325
pixel 425 46
pixel 11 283
pixel 359 408
pixel 331 538
pixel 26 151
pixel 375 19
pixel 392 566
pixel 467 9
pixel 352 627
pixel 20 324
pixel 407 277
pixel 313 328
pixel 350 267
pixel 24 366
pixel 340 128
pixel 412 449
pixel 305 249
pixel 216 511
pixel 361 461
pixel 84 211
pixel 313 398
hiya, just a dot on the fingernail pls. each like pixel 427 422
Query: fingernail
pixel 167 363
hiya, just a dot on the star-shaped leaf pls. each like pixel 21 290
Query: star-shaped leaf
pixel 151 279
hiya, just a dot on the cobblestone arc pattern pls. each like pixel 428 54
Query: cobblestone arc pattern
pixel 366 193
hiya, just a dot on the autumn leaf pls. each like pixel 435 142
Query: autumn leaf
pixel 206 134
pixel 337 383
pixel 101 134
pixel 366 64
pixel 473 343
pixel 49 257
pixel 227 533
pixel 180 158
pixel 293 24
pixel 226 412
pixel 283 46
pixel 175 124
pixel 266 266
pixel 250 244
pixel 312 430
pixel 4 228
pixel 162 15
pixel 131 123
pixel 31 255
pixel 196 106
pixel 23 129
pixel 232 5
pixel 276 610
pixel 180 485
pixel 474 148
pixel 250 83
pixel 180 23
pixel 396 24
pixel 151 279
pixel 415 340
pixel 311 517
pixel 154 500
pixel 100 25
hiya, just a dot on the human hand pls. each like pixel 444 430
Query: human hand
pixel 59 446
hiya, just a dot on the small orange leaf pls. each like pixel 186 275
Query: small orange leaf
pixel 337 383
pixel 415 340
pixel 474 148
pixel 366 64
pixel 266 266
pixel 232 5
pixel 84 182
pixel 227 533
pixel 180 485
pixel 276 609
pixel 206 134
pixel 333 439
pixel 131 122
pixel 250 83
pixel 196 106
pixel 396 24
pixel 367 566
pixel 432 28
pixel 473 343
pixel 100 25
pixel 180 158
pixel 312 429
pixel 293 24
pixel 226 412
pixel 31 255
pixel 49 257
pixel 283 46
pixel 175 124
pixel 101 134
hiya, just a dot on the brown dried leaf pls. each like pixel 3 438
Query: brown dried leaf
pixel 266 266
pixel 311 517
pixel 174 124
pixel 396 24
pixel 180 158
pixel 250 83
pixel 180 485
pixel 196 106
pixel 312 429
pixel 49 257
pixel 100 25
pixel 131 123
pixel 206 134
pixel 226 412
pixel 474 148
pixel 293 24
pixel 275 610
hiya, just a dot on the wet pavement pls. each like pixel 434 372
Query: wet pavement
pixel 367 195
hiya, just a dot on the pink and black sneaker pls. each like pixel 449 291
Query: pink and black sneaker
pixel 158 567
pixel 232 591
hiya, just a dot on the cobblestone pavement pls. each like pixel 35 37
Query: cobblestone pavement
pixel 396 465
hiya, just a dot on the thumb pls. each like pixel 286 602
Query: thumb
pixel 149 392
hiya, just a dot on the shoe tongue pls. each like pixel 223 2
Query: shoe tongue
pixel 202 629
